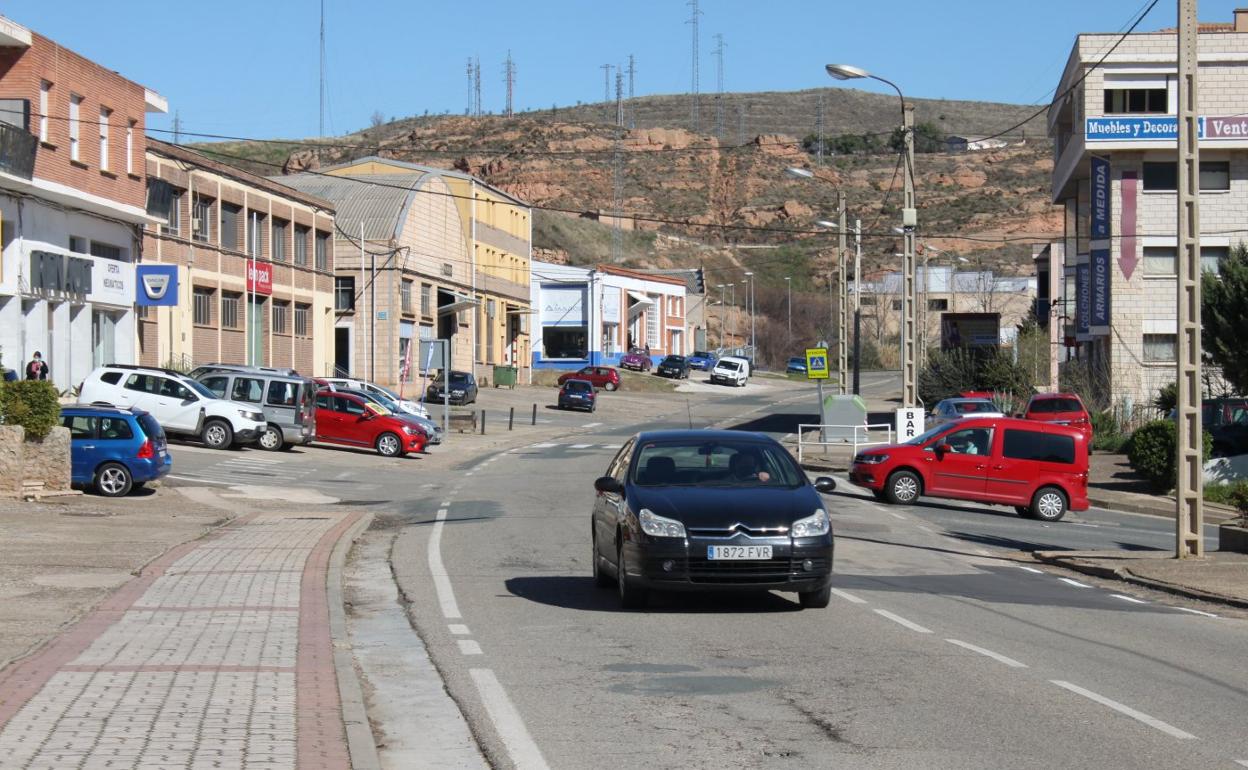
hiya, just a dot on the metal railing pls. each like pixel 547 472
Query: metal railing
pixel 860 436
pixel 17 151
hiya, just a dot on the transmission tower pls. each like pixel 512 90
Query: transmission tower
pixel 471 71
pixel 606 91
pixel 632 73
pixel 719 85
pixel 819 127
pixel 695 116
pixel 476 87
pixel 509 69
pixel 619 97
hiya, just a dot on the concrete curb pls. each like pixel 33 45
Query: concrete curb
pixel 1066 561
pixel 1214 514
pixel 360 742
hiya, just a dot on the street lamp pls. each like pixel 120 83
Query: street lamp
pixel 799 173
pixel 749 276
pixel 909 221
pixel 723 287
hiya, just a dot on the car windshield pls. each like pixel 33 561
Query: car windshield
pixel 1049 405
pixel 390 394
pixel 636 352
pixel 966 407
pixel 731 366
pixel 199 388
pixel 927 436
pixel 701 354
pixel 694 463
pixel 577 386
pixel 797 360
pixel 381 401
pixel 674 360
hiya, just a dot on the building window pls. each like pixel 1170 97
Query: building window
pixel 75 104
pixel 278 248
pixel 280 311
pixel 174 225
pixel 229 225
pixel 426 299
pixel 201 218
pixel 229 310
pixel 1135 101
pixel 896 304
pixel 1211 258
pixel 45 93
pixel 78 244
pixel 344 292
pixel 301 245
pixel 867 302
pixel 1215 175
pixel 322 250
pixel 203 307
pixel 130 147
pixel 1160 348
pixel 405 296
pixel 105 114
pixel 1160 260
pixel 1164 175
pixel 938 304
pixel 301 319
pixel 106 251
pixel 255 235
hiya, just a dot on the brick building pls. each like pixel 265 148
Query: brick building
pixel 72 136
pixel 1115 171
pixel 220 226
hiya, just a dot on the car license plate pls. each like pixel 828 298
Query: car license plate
pixel 738 552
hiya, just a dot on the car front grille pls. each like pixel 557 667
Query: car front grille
pixel 779 570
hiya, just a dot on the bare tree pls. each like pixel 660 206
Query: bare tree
pixel 377 120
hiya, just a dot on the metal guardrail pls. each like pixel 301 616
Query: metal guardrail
pixel 861 437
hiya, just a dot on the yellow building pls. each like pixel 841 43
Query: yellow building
pixel 499 240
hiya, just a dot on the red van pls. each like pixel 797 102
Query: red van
pixel 1039 468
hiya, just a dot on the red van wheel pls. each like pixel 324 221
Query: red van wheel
pixel 903 487
pixel 1048 504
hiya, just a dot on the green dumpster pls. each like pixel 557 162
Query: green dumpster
pixel 505 376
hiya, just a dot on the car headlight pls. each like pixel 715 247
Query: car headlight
pixel 870 459
pixel 410 430
pixel 814 525
pixel 659 526
pixel 256 416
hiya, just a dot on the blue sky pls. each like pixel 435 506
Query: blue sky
pixel 249 68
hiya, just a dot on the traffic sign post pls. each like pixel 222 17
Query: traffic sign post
pixel 817 370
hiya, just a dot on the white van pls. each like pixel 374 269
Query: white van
pixel 731 371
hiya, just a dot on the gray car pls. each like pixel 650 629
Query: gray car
pixel 288 402
pixel 952 409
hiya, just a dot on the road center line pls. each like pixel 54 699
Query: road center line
pixel 847 596
pixel 1153 722
pixel 1031 569
pixel 469 647
pixel 896 515
pixel 902 621
pixel 459 629
pixel 1075 583
pixel 1195 612
pixel 989 653
pixel 524 752
pixel 591 425
pixel 1131 599
pixel 441 581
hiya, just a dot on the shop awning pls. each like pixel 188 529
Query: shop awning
pixel 641 299
pixel 460 302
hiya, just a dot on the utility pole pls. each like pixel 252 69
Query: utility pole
pixel 858 303
pixel 177 127
pixel 842 305
pixel 695 116
pixel 1190 514
pixel 788 287
pixel 719 85
pixel 476 87
pixel 509 68
pixel 909 217
pixel 606 91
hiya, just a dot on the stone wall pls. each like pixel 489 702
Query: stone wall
pixel 46 461
pixel 11 454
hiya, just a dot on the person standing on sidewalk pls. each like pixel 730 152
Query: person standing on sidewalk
pixel 37 369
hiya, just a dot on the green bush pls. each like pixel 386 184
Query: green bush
pixel 32 404
pixel 1167 398
pixel 1151 453
pixel 951 372
pixel 1234 494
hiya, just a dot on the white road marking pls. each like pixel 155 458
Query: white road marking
pixel 896 515
pixel 203 481
pixel 1243 762
pixel 441 581
pixel 524 752
pixel 1031 569
pixel 544 446
pixel 1195 612
pixel 459 629
pixel 902 621
pixel 469 647
pixel 1153 722
pixel 989 653
pixel 591 425
pixel 469 473
pixel 446 504
pixel 1131 599
pixel 581 446
pixel 925 529
pixel 1074 583
pixel 1084 524
pixel 847 596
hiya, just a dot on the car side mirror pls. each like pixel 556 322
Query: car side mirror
pixel 825 485
pixel 942 448
pixel 608 484
pixel 368 415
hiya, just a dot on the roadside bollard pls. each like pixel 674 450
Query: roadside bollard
pixel 482 422
pixel 511 418
pixel 534 415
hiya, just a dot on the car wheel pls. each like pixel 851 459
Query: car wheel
pixel 903 487
pixel 632 597
pixel 271 439
pixel 1023 511
pixel 609 386
pixel 217 434
pixel 601 578
pixel 1049 504
pixel 389 445
pixel 113 480
pixel 815 600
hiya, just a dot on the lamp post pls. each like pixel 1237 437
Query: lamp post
pixel 857 231
pixel 723 288
pixel 733 293
pixel 749 276
pixel 909 220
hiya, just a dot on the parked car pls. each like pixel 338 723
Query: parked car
pixel 577 394
pixel 1060 409
pixel 1226 419
pixel 710 510
pixel 731 371
pixel 636 359
pixel 405 405
pixel 796 365
pixel 199 371
pixel 601 376
pixel 181 405
pixel 1039 468
pixel 114 450
pixel 702 360
pixel 462 390
pixel 288 403
pixel 432 430
pixel 349 419
pixel 956 408
pixel 676 367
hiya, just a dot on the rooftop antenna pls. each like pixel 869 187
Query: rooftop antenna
pixel 719 84
pixel 510 69
pixel 322 86
pixel 694 108
pixel 471 103
pixel 177 127
pixel 606 91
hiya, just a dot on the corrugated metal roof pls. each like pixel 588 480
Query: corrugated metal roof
pixel 377 200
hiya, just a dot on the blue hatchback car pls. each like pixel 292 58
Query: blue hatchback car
pixel 702 360
pixel 115 450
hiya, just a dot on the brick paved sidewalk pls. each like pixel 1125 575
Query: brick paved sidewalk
pixel 218 655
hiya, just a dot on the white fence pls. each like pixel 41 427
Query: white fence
pixel 861 437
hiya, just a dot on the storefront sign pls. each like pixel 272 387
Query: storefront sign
pixel 1083 300
pixel 563 305
pixel 157 285
pixel 52 273
pixel 1234 127
pixel 1099 267
pixel 1098 321
pixel 259 277
pixel 1100 198
pixel 1160 128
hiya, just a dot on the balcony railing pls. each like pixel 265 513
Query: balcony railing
pixel 17 151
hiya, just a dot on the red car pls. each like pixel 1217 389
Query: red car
pixel 1061 409
pixel 342 418
pixel 602 376
pixel 1040 469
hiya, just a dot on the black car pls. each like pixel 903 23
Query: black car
pixel 676 367
pixel 577 394
pixel 463 388
pixel 1226 419
pixel 710 510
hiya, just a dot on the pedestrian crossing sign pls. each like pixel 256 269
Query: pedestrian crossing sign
pixel 817 363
